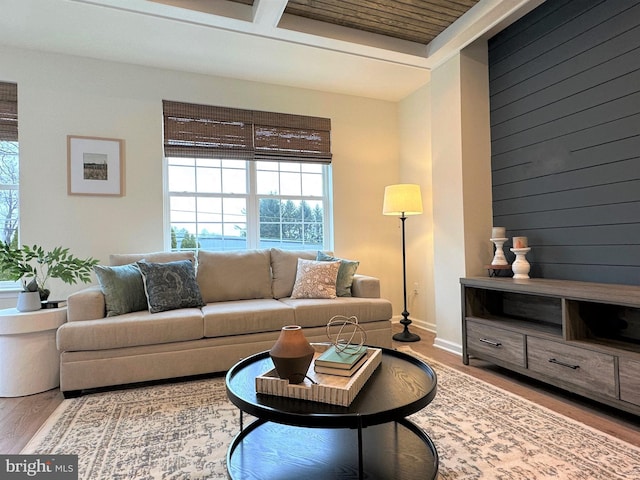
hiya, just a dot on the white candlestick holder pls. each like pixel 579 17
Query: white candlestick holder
pixel 499 258
pixel 521 266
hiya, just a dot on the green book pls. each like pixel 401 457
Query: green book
pixel 334 358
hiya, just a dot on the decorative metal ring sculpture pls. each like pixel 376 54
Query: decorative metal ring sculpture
pixel 342 331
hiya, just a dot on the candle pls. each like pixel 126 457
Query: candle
pixel 498 232
pixel 520 242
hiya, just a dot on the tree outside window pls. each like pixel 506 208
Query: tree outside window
pixel 9 206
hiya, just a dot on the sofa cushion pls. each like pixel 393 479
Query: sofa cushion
pixel 154 257
pixel 315 279
pixel 122 287
pixel 170 285
pixel 131 329
pixel 240 275
pixel 284 265
pixel 317 312
pixel 245 316
pixel 345 273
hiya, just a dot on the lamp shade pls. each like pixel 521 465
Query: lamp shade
pixel 402 199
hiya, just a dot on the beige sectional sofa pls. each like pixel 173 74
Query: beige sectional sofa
pixel 246 302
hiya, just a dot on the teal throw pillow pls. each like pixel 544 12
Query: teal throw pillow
pixel 170 285
pixel 345 273
pixel 122 288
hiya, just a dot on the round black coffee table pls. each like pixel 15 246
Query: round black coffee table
pixel 299 439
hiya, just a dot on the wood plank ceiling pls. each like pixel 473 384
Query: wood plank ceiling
pixel 417 21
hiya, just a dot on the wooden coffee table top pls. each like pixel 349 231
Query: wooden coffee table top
pixel 400 386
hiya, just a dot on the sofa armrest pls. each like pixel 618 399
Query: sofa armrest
pixel 365 287
pixel 86 304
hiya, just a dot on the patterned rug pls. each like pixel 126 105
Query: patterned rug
pixel 182 430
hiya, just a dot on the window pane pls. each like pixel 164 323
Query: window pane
pixel 289 224
pixel 234 181
pixel 182 209
pixel 311 185
pixel 209 210
pixel 290 184
pixel 289 167
pixel 268 183
pixel 268 166
pixel 234 210
pixel 181 179
pixel 183 236
pixel 312 168
pixel 209 180
pixel 9 193
pixel 209 162
pixel 182 161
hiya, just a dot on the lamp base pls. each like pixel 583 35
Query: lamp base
pixel 406 336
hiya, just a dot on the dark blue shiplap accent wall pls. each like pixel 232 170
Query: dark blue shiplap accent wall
pixel 565 138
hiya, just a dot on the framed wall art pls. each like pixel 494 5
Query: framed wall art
pixel 95 166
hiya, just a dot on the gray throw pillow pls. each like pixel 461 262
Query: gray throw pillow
pixel 345 273
pixel 170 285
pixel 122 288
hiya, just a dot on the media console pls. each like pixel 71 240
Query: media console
pixel 580 336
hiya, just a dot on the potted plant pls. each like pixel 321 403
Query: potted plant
pixel 35 266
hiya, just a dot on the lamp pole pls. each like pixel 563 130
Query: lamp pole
pixel 405 335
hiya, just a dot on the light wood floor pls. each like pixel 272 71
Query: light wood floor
pixel 20 418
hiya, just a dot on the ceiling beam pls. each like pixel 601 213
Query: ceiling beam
pixel 268 12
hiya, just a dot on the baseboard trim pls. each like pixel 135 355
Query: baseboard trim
pixel 448 346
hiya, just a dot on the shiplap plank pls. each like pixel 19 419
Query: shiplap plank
pixel 569 83
pixel 618 274
pixel 603 215
pixel 569 180
pixel 538 149
pixel 535 25
pixel 564 160
pixel 610 193
pixel 593 26
pixel 613 99
pixel 621 234
pixel 588 254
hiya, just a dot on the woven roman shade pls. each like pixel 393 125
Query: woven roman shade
pixel 8 112
pixel 204 131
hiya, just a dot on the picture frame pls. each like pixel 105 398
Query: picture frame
pixel 95 166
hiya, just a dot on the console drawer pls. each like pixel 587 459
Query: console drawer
pixel 484 340
pixel 592 371
pixel 629 372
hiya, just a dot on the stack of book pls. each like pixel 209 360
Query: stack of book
pixel 344 363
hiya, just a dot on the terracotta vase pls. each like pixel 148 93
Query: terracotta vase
pixel 292 354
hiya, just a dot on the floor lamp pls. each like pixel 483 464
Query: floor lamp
pixel 403 200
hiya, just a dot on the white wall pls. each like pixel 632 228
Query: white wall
pixel 61 95
pixel 461 156
pixel 415 167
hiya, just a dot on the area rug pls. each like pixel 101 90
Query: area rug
pixel 182 430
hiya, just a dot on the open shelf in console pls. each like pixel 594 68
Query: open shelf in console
pixel 606 324
pixel 523 311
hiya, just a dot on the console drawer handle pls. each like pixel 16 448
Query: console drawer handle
pixel 491 342
pixel 568 365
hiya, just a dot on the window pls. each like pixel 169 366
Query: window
pixel 9 167
pixel 237 179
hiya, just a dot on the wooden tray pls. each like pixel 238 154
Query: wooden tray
pixel 332 389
